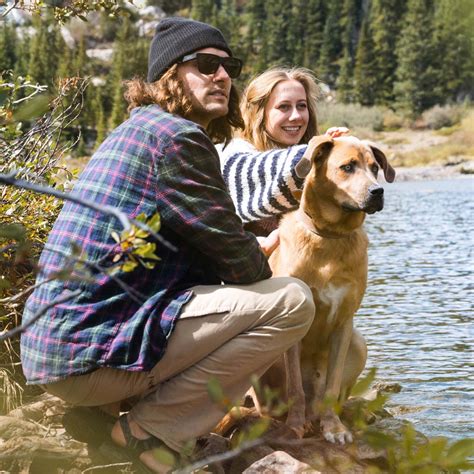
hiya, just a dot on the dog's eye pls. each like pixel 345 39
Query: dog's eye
pixel 347 168
pixel 375 170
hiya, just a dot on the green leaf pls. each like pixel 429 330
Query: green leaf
pixel 215 391
pixel 3 96
pixel 461 450
pixel 379 440
pixel 129 266
pixel 4 283
pixel 363 384
pixel 33 108
pixel 258 429
pixel 155 223
pixel 164 456
pixel 12 232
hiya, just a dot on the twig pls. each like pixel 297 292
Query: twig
pixel 12 299
pixel 19 329
pixel 10 8
pixel 125 221
pixel 106 466
pixel 221 457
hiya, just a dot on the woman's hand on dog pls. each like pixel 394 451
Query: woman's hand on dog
pixel 270 242
pixel 335 132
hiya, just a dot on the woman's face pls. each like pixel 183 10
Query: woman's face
pixel 286 113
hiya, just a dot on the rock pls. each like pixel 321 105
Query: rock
pixel 277 463
pixel 46 407
pixel 356 409
pixel 247 459
pixel 323 456
pixel 11 428
pixel 467 168
pixel 211 445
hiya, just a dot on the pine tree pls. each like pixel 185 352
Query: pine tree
pixel 80 63
pixel 416 87
pixel 364 79
pixel 117 74
pixel 56 45
pixel 8 45
pixel 228 21
pixel 38 52
pixel 349 27
pixel 296 34
pixel 331 49
pixel 453 41
pixel 203 10
pixel 65 63
pixel 385 17
pixel 99 120
pixel 345 81
pixel 255 39
pixel 278 14
pixel 23 56
pixel 316 16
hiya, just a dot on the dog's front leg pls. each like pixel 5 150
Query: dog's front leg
pixel 332 428
pixel 296 412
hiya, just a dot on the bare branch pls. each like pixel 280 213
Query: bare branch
pixel 10 8
pixel 23 327
pixel 12 299
pixel 221 457
pixel 107 466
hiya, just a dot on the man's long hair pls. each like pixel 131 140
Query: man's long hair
pixel 168 93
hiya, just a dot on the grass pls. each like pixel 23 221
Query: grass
pixel 436 155
pixel 458 147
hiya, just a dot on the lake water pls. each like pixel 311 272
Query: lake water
pixel 417 312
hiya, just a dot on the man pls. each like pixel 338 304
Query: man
pixel 159 335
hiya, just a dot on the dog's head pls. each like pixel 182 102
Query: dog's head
pixel 344 170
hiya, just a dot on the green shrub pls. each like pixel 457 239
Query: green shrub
pixel 353 116
pixel 442 116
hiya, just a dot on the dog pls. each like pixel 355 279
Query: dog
pixel 324 244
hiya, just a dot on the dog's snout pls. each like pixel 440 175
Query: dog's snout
pixel 376 190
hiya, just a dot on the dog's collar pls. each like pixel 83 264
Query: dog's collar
pixel 305 219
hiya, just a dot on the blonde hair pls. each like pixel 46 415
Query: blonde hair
pixel 255 98
pixel 168 92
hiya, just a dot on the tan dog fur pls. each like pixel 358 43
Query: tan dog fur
pixel 325 245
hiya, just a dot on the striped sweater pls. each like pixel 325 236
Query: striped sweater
pixel 260 183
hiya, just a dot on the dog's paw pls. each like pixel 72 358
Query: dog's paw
pixel 298 425
pixel 334 431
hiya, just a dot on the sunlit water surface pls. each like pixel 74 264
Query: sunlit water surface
pixel 417 311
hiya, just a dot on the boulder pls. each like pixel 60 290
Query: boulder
pixel 279 462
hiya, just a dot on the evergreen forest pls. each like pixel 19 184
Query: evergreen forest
pixel 408 55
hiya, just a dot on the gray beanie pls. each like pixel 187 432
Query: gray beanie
pixel 176 37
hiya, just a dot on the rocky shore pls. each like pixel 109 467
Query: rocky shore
pixel 33 440
pixel 450 170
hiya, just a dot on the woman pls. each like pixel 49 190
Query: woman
pixel 279 112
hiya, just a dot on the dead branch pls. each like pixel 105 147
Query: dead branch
pixel 19 329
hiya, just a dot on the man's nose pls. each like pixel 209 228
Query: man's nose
pixel 221 74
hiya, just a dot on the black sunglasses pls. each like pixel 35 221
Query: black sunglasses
pixel 209 63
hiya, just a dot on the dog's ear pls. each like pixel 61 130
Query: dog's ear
pixel 381 159
pixel 317 146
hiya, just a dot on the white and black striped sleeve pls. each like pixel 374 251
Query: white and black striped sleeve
pixel 260 183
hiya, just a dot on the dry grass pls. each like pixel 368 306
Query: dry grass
pixel 458 147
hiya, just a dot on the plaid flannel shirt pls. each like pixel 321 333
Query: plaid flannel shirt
pixel 153 162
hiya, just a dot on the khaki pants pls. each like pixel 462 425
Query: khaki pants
pixel 227 332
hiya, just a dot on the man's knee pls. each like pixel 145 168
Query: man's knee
pixel 300 304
